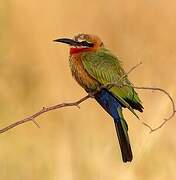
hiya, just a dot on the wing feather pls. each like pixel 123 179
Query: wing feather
pixel 107 69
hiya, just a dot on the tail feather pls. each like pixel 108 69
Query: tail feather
pixel 114 109
pixel 123 142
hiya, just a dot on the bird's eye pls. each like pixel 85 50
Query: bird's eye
pixel 88 44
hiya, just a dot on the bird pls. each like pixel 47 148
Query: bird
pixel 99 72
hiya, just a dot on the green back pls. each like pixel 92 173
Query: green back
pixel 106 69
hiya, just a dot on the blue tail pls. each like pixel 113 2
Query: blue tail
pixel 114 109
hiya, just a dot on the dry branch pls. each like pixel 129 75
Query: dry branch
pixel 77 103
pixel 42 111
pixel 171 100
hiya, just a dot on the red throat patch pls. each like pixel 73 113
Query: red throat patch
pixel 77 50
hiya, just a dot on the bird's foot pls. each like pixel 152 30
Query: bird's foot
pixel 92 94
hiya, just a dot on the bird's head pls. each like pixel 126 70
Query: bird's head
pixel 82 43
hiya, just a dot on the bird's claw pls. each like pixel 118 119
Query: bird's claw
pixel 92 94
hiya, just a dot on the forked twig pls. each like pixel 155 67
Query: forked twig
pixel 165 119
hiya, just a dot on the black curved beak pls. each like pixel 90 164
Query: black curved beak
pixel 72 42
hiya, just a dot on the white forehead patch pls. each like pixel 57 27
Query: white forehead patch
pixel 81 36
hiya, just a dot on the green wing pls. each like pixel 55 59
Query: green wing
pixel 107 69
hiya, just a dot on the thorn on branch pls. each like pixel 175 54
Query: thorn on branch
pixel 35 122
pixel 77 105
pixel 44 109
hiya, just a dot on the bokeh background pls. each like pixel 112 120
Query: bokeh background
pixel 77 144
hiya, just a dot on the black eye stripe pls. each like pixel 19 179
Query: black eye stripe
pixel 85 43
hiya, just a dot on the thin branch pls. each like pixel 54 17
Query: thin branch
pixel 171 100
pixel 132 69
pixel 42 111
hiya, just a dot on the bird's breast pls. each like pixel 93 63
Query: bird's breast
pixel 81 75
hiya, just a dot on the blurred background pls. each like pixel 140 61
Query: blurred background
pixel 76 144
